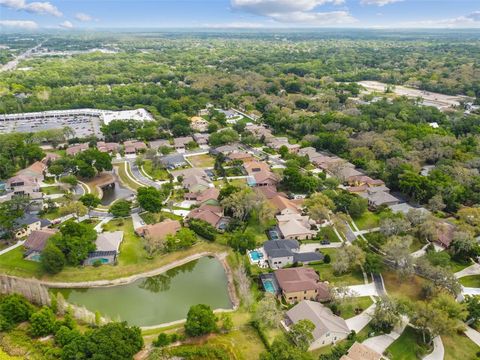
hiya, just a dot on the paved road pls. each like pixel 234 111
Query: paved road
pixel 378 281
pixel 468 271
pixel 382 342
pixel 141 178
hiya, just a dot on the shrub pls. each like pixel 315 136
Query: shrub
pixel 42 322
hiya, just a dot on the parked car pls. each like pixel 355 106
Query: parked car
pixel 325 242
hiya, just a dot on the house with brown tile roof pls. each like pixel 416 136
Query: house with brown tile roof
pixel 209 195
pixel 73 150
pixel 36 242
pixel 50 157
pixel 35 171
pixel 157 144
pixel 364 180
pixel 161 230
pixel 194 179
pixel 361 352
pixel 255 167
pixel 181 142
pixel 445 232
pixel 329 328
pixel 295 226
pixel 240 155
pixel 301 283
pixel 198 123
pixel 201 139
pixel 133 146
pixel 210 213
pixel 110 147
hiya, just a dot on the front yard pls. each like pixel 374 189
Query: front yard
pixel 201 161
pixel 354 277
pixel 470 281
pixel 409 289
pixel 155 173
pixel 407 346
pixel 348 309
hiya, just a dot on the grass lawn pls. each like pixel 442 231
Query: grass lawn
pixel 127 181
pixel 327 233
pixel 459 346
pixel 201 161
pixel 347 309
pixel 470 281
pixel 50 190
pixel 404 289
pixel 416 244
pixel 368 220
pixel 257 230
pixel 456 266
pixel 325 271
pixel 13 263
pixel 406 346
pixel 156 174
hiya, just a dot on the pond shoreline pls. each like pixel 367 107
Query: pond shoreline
pixel 221 257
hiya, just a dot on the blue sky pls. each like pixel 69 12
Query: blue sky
pixel 77 14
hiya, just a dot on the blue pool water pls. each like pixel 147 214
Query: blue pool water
pixel 256 255
pixel 268 285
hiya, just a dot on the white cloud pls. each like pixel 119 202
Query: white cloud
pixel 471 20
pixel 21 24
pixel 83 17
pixel 66 24
pixel 295 11
pixel 44 8
pixel 378 2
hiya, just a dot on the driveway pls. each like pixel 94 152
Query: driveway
pixel 137 221
pixel 470 291
pixel 312 247
pixel 473 334
pixel 382 342
pixel 438 351
pixel 468 271
pixel 363 290
pixel 358 322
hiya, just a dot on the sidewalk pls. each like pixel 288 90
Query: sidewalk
pixel 473 334
pixel 13 247
pixel 438 350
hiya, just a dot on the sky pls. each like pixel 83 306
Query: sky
pixel 96 14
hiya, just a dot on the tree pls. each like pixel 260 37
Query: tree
pixel 301 334
pixel 14 309
pixel 319 206
pixel 223 137
pixel 183 239
pixel 227 322
pixel 10 211
pixel 150 199
pixel 242 242
pixel 42 322
pixel 200 320
pixel 267 312
pixel 347 258
pixel 120 208
pixel 397 250
pixel 241 203
pixel 281 349
pixel 90 201
pixel 464 246
pixel 473 308
pixel 75 240
pixel 243 285
pixel 52 259
pixel 387 315
pixel 394 225
pixel 65 335
pixel 357 207
pixel 74 207
pixel 203 229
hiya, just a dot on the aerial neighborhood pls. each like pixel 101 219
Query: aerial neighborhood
pixel 275 213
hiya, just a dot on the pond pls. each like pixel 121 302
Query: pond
pixel 110 194
pixel 159 299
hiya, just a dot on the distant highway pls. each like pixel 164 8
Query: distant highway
pixel 11 65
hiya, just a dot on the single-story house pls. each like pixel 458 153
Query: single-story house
pixel 194 179
pixel 209 195
pixel 361 352
pixel 445 233
pixel 329 328
pixel 201 139
pixel 295 226
pixel 107 248
pixel 198 123
pixel 301 283
pixel 73 150
pixel 133 146
pixel 36 242
pixel 36 171
pixel 180 143
pixel 212 214
pixel 277 142
pixel 50 157
pixel 378 197
pixel 240 155
pixel 157 144
pixel 225 149
pixel 278 200
pixel 108 147
pixel 284 252
pixel 161 230
pixel 259 131
pixel 173 161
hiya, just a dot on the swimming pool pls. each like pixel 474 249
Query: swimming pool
pixel 255 255
pixel 268 285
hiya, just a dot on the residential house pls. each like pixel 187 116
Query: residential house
pixel 36 242
pixel 107 248
pixel 35 172
pixel 285 252
pixel 199 124
pixel 361 352
pixel 279 201
pixel 28 223
pixel 73 150
pixel 225 149
pixel 364 180
pixel 445 232
pixel 329 328
pixel 259 131
pixel 277 142
pixel 378 196
pixel 212 214
pixel 295 226
pixel 180 143
pixel 301 283
pixel 173 161
pixel 201 139
pixel 229 114
pixel 194 179
pixel 134 146
pixel 260 174
pixel 157 144
pixel 207 196
pixel 50 157
pixel 239 155
pixel 161 230
pixel 108 147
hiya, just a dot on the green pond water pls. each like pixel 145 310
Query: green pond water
pixel 159 299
